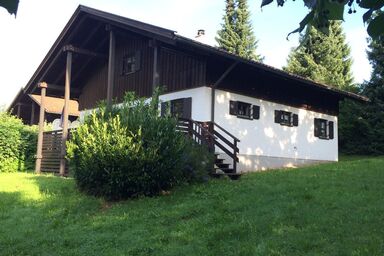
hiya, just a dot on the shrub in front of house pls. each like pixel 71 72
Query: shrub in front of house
pixel 130 150
pixel 17 144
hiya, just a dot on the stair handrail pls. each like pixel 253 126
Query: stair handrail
pixel 213 140
pixel 228 133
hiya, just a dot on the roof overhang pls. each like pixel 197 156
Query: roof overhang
pixel 85 18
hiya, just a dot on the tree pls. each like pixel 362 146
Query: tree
pixel 363 124
pixel 236 35
pixel 323 58
pixel 10 5
pixel 323 11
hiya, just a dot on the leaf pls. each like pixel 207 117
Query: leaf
pixel 367 15
pixel 265 2
pixel 371 4
pixel 335 10
pixel 376 26
pixel 310 3
pixel 307 19
pixel 10 5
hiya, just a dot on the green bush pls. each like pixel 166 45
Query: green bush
pixel 17 144
pixel 130 150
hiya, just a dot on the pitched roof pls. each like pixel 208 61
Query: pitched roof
pixel 55 105
pixel 171 37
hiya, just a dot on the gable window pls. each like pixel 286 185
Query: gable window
pixel 324 129
pixel 244 110
pixel 177 108
pixel 131 62
pixel 286 118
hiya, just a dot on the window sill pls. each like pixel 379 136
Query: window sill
pixel 244 117
pixel 286 124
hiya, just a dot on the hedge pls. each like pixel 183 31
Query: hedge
pixel 17 144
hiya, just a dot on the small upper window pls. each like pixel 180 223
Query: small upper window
pixel 286 118
pixel 244 110
pixel 323 129
pixel 131 63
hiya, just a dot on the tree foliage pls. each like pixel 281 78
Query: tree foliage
pixel 363 124
pixel 17 144
pixel 236 35
pixel 130 150
pixel 10 5
pixel 323 11
pixel 323 58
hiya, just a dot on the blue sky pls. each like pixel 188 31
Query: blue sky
pixel 26 39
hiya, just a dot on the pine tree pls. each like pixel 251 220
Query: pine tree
pixel 362 125
pixel 374 90
pixel 236 35
pixel 322 58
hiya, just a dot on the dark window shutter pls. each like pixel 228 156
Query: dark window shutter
pixel 164 107
pixel 330 130
pixel 255 112
pixel 187 108
pixel 277 116
pixel 233 107
pixel 317 126
pixel 137 60
pixel 295 120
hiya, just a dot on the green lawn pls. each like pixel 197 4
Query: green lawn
pixel 329 209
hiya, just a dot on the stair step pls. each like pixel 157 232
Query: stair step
pixel 219 160
pixel 226 170
pixel 222 165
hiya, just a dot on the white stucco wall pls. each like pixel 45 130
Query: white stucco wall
pixel 263 143
pixel 264 137
pixel 201 101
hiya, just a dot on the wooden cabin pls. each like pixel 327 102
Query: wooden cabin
pixel 270 117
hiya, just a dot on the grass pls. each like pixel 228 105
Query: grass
pixel 329 209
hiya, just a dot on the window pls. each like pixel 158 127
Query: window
pixel 324 129
pixel 131 63
pixel 244 110
pixel 286 118
pixel 177 108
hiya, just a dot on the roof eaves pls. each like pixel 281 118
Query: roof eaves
pixel 272 69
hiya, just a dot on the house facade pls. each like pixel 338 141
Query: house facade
pixel 278 119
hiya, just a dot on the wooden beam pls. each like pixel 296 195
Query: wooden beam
pixel 213 88
pixel 71 48
pixel 87 39
pixel 80 70
pixel 62 88
pixel 65 113
pixel 111 67
pixel 39 156
pixel 31 122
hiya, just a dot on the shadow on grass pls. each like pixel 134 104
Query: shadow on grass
pixel 332 209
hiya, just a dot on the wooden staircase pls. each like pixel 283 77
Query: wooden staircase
pixel 215 138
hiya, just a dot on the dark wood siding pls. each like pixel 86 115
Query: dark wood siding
pixel 180 71
pixel 140 81
pixel 95 89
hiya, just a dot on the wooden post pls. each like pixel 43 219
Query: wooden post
pixel 213 88
pixel 32 114
pixel 155 77
pixel 39 151
pixel 111 67
pixel 65 112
